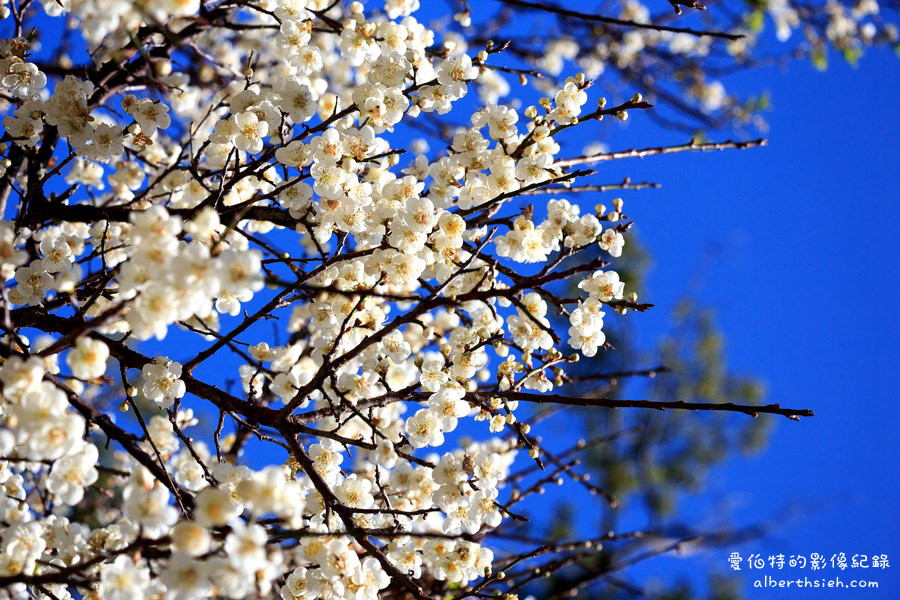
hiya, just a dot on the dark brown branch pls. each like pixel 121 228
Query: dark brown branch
pixel 565 12
pixel 776 409
pixel 643 152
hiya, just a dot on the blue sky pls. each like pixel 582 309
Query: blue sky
pixel 804 293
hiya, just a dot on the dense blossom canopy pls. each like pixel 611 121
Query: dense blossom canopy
pixel 209 170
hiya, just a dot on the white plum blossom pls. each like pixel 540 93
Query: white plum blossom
pixel 148 505
pixel 123 579
pixel 249 131
pixel 245 546
pixel 23 79
pixel 150 115
pixel 191 538
pixel 612 241
pixel 88 358
pixel 161 381
pixel 605 285
pixel 71 474
pixel 297 101
pixel 425 429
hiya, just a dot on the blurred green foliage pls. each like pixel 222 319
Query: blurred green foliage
pixel 663 456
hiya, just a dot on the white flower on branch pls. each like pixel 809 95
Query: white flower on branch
pixel 161 381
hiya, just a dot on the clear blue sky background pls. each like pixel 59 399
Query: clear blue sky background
pixel 805 291
pixel 804 288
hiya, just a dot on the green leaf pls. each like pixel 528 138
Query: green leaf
pixel 820 60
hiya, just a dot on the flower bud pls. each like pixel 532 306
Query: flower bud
pixel 162 68
pixel 206 73
pixel 191 538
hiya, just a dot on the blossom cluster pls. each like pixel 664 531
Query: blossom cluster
pixel 678 56
pixel 169 238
